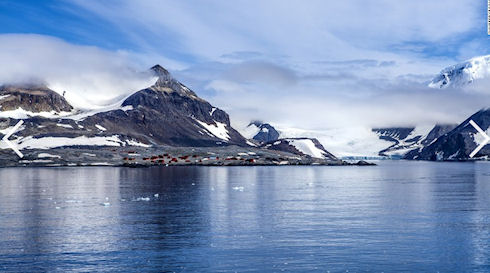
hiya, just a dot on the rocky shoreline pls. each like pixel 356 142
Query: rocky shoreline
pixel 161 156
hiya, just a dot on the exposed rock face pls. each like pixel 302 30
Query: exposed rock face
pixel 310 147
pixel 436 132
pixel 266 132
pixel 167 113
pixel 166 83
pixel 32 98
pixel 408 141
pixel 458 143
pixel 170 113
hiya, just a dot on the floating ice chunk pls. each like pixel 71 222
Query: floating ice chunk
pixel 142 199
pixel 240 188
pixel 156 195
pixel 105 204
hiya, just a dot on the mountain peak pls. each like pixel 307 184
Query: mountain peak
pixel 167 83
pixel 32 97
pixel 159 70
pixel 162 74
pixel 261 132
pixel 462 74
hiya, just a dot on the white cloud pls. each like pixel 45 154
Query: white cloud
pixel 298 29
pixel 91 76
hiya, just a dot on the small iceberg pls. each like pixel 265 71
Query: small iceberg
pixel 142 199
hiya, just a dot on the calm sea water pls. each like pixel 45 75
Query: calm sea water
pixel 398 216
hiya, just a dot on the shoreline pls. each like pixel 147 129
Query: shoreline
pixel 142 157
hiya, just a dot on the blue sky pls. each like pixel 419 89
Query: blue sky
pixel 116 25
pixel 351 60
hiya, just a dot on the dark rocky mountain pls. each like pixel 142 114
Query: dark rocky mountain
pixel 436 132
pixel 265 132
pixel 166 123
pixel 170 113
pixel 309 147
pixel 409 140
pixel 458 143
pixel 166 113
pixel 393 133
pixel 32 98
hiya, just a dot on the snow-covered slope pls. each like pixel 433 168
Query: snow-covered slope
pixel 463 73
pixel 458 143
pixel 410 139
pixel 342 142
pixel 166 113
pixel 310 147
pixel 358 142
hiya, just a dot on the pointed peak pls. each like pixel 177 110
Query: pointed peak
pixel 162 74
pixel 159 70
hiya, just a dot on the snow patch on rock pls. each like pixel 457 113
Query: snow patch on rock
pixel 218 129
pixel 307 147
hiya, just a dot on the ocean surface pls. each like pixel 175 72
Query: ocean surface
pixel 395 217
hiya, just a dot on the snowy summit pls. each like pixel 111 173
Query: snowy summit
pixel 462 74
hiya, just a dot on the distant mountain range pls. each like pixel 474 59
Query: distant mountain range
pixel 165 114
pixel 437 142
pixel 168 113
pixel 446 142
pixel 266 136
pixel 458 143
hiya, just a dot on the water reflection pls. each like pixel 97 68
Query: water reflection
pixel 399 216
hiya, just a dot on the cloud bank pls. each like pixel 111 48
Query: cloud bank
pixel 91 76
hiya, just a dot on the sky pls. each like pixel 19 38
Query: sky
pixel 312 65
